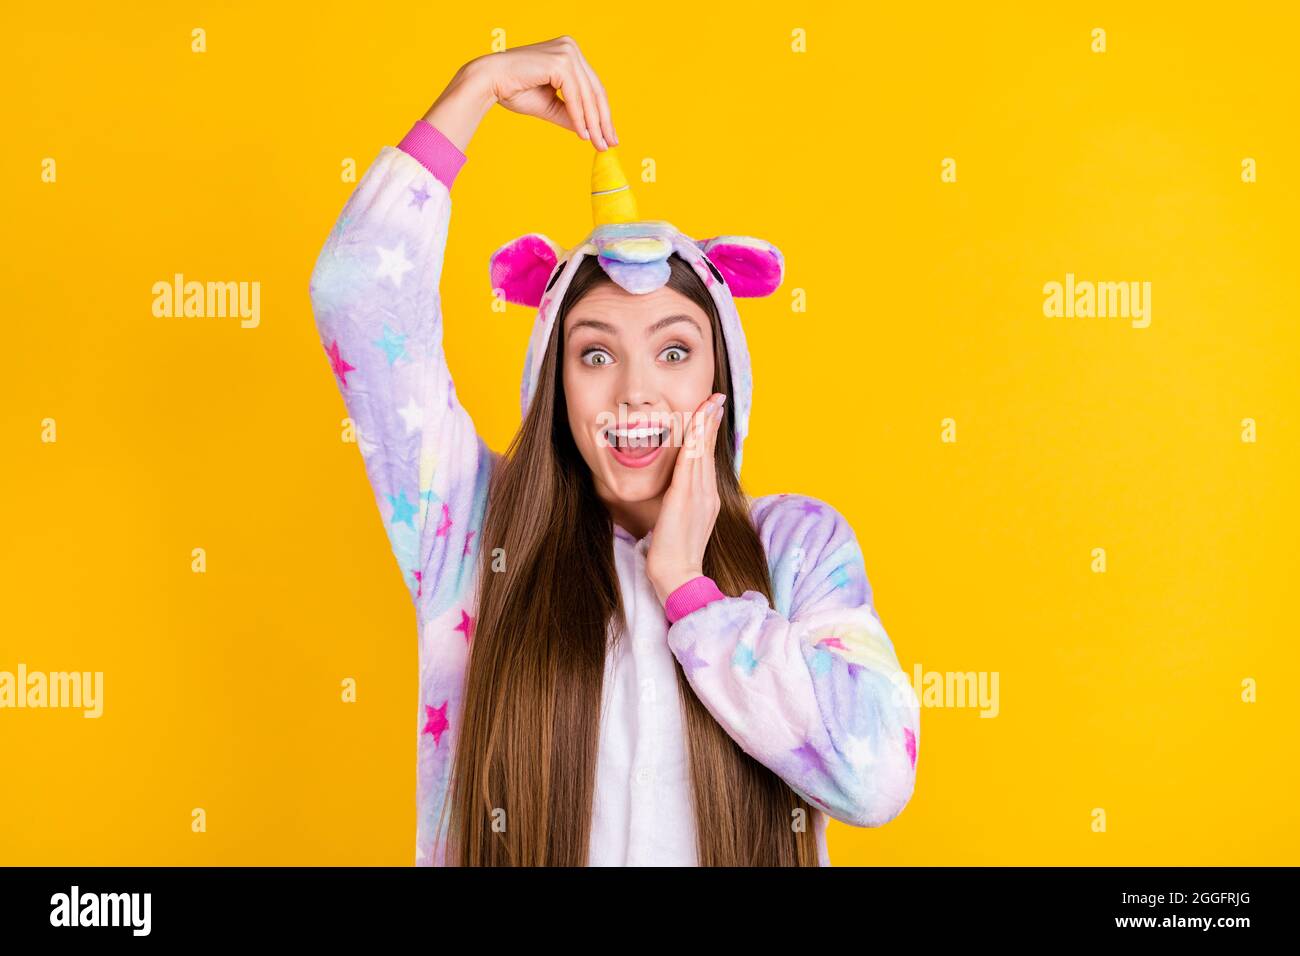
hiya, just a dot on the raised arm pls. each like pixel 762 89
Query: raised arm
pixel 812 688
pixel 375 294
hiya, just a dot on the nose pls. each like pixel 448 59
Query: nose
pixel 637 387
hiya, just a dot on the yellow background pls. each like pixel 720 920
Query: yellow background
pixel 1118 691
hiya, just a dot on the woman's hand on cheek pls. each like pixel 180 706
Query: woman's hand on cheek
pixel 690 505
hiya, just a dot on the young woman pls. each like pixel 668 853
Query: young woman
pixel 623 659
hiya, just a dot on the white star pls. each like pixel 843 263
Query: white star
pixel 413 415
pixel 393 263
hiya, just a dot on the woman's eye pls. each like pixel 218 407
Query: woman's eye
pixel 590 357
pixel 676 350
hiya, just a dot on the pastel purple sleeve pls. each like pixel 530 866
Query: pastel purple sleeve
pixel 811 688
pixel 375 295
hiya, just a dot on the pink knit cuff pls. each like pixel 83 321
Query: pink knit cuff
pixel 691 596
pixel 436 152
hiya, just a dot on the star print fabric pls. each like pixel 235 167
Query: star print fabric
pixel 375 294
pixel 811 687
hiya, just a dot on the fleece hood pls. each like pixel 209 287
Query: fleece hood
pixel 534 270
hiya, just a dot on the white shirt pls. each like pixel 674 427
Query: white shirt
pixel 643 813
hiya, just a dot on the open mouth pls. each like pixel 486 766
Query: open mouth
pixel 636 447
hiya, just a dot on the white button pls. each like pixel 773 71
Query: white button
pixel 643 775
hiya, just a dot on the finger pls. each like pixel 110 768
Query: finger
pixel 682 466
pixel 706 422
pixel 710 460
pixel 707 442
pixel 679 425
pixel 602 103
pixel 590 112
pixel 557 112
pixel 698 427
pixel 566 79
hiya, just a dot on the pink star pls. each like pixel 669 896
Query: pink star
pixel 437 721
pixel 339 363
pixel 419 580
pixel 445 526
pixel 832 642
pixel 466 625
pixel 468 538
pixel 910 739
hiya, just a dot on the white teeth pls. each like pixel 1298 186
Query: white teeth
pixel 623 436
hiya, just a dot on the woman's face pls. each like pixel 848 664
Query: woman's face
pixel 646 359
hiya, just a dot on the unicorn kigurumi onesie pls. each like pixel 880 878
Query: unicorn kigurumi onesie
pixel 809 687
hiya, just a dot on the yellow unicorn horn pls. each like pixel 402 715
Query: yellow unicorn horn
pixel 611 196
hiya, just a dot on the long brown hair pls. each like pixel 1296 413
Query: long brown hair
pixel 524 769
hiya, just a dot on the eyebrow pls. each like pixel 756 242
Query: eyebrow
pixel 662 323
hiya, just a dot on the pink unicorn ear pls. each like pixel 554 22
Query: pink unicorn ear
pixel 752 267
pixel 522 266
